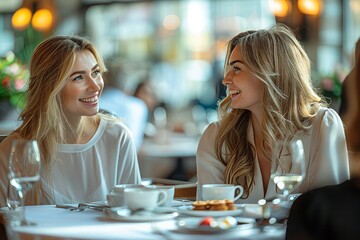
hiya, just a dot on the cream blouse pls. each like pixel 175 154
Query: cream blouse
pixel 325 149
pixel 87 172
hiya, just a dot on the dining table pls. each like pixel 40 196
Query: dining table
pixel 52 223
pixel 174 147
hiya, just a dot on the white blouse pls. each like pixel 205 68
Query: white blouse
pixel 325 155
pixel 87 172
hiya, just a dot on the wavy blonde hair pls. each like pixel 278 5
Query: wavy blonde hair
pixel 43 117
pixel 289 100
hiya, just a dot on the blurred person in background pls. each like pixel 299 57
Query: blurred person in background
pixel 145 92
pixel 132 110
pixel 157 120
pixel 83 153
pixel 350 112
pixel 270 97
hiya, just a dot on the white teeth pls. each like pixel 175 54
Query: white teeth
pixel 93 99
pixel 234 92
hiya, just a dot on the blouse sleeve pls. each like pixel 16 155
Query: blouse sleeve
pixel 209 168
pixel 329 162
pixel 127 162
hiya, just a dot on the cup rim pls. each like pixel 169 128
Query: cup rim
pixel 141 189
pixel 218 185
pixel 125 185
pixel 160 187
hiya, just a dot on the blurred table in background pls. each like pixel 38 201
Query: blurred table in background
pixel 6 127
pixel 170 150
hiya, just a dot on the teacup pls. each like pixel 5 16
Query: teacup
pixel 116 197
pixel 144 198
pixel 170 193
pixel 221 191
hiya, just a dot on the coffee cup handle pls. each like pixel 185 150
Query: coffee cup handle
pixel 162 197
pixel 241 189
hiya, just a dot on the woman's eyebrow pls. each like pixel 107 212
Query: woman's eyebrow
pixel 236 61
pixel 82 72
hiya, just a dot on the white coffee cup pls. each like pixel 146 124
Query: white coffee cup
pixel 170 193
pixel 116 197
pixel 144 198
pixel 221 192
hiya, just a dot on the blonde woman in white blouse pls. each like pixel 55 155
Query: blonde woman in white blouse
pixel 270 96
pixel 83 153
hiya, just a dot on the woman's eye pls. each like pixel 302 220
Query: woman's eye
pixel 236 68
pixel 96 73
pixel 78 78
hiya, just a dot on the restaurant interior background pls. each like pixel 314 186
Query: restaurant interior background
pixel 178 46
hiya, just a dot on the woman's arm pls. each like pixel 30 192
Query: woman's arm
pixel 329 162
pixel 127 162
pixel 209 168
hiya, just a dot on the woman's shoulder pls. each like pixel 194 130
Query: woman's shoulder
pixel 210 133
pixel 212 129
pixel 114 127
pixel 328 116
pixel 5 145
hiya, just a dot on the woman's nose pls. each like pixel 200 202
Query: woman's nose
pixel 94 84
pixel 227 79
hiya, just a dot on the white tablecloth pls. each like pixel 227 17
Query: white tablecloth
pixel 58 223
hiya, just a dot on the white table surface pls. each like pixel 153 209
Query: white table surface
pixel 58 223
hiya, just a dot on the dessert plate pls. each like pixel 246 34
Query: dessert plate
pixel 188 210
pixel 193 224
pixel 124 214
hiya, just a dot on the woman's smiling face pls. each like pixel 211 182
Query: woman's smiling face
pixel 80 96
pixel 244 88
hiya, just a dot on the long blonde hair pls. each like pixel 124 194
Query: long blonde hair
pixel 289 101
pixel 43 117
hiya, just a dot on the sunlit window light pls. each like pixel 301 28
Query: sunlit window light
pixel 279 8
pixel 197 17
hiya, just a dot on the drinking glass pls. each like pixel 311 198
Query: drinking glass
pixel 15 213
pixel 287 172
pixel 288 166
pixel 23 171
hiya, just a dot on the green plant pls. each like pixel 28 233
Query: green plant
pixel 331 85
pixel 14 79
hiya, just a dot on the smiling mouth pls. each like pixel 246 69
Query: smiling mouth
pixel 89 100
pixel 234 92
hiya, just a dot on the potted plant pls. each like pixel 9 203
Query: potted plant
pixel 14 78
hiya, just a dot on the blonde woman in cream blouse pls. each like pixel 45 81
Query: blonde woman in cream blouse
pixel 83 153
pixel 270 96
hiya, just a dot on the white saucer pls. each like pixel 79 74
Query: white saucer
pixel 123 214
pixel 204 213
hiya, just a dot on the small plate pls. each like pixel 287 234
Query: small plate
pixel 253 210
pixel 193 224
pixel 188 210
pixel 124 214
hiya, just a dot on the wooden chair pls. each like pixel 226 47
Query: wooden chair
pixel 183 189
